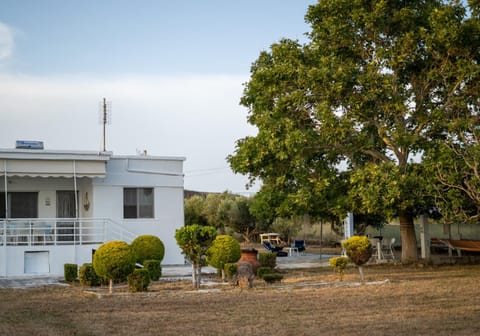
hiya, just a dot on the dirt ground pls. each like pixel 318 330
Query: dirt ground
pixel 395 300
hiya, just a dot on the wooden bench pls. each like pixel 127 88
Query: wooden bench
pixel 458 245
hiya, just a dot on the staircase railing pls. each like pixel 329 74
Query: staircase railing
pixel 61 231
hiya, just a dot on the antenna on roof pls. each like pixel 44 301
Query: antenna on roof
pixel 105 118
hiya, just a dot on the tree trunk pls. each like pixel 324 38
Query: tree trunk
pixel 194 275
pixel 110 286
pixel 407 235
pixel 362 275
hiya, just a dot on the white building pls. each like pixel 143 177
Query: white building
pixel 57 207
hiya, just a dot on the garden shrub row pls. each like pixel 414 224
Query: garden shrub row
pixel 116 261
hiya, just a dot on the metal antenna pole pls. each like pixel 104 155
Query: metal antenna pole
pixel 104 123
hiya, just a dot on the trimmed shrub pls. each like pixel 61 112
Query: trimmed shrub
pixel 339 264
pixel 114 260
pixel 262 270
pixel 148 247
pixel 358 249
pixel 272 277
pixel 268 259
pixel 70 272
pixel 139 280
pixel 230 270
pixel 87 276
pixel 224 249
pixel 154 269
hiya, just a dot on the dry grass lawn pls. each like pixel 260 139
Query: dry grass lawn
pixel 395 300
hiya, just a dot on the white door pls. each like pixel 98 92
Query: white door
pixel 36 262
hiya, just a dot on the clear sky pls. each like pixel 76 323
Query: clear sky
pixel 172 70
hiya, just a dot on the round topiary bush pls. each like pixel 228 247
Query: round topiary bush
pixel 224 249
pixel 114 260
pixel 359 250
pixel 148 247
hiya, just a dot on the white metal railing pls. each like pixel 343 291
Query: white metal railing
pixel 61 231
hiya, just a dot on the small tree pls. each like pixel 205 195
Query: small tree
pixel 148 247
pixel 339 264
pixel 224 249
pixel 114 260
pixel 194 240
pixel 359 250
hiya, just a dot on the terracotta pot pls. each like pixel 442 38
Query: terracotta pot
pixel 250 256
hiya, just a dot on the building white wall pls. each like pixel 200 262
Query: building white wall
pixel 166 177
pixel 12 259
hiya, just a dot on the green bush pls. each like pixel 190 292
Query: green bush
pixel 154 269
pixel 272 277
pixel 70 272
pixel 114 260
pixel 87 275
pixel 230 270
pixel 262 270
pixel 139 280
pixel 358 249
pixel 224 249
pixel 339 264
pixel 148 247
pixel 268 259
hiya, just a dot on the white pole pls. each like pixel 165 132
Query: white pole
pixel 75 187
pixel 6 183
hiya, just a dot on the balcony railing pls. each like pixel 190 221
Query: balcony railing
pixel 60 231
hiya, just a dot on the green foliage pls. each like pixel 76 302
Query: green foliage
pixel 193 209
pixel 262 270
pixel 87 275
pixel 230 269
pixel 358 249
pixel 139 280
pixel 376 84
pixel 268 259
pixel 114 260
pixel 224 249
pixel 70 272
pixel 154 269
pixel 339 264
pixel 147 247
pixel 287 227
pixel 272 277
pixel 194 240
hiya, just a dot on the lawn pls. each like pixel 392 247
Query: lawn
pixel 395 300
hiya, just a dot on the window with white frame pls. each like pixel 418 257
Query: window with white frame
pixel 138 203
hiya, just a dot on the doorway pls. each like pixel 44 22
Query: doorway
pixel 66 208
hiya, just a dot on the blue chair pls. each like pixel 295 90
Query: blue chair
pixel 274 249
pixel 300 245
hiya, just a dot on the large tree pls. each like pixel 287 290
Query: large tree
pixel 372 91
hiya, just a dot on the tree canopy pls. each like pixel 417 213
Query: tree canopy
pixel 345 120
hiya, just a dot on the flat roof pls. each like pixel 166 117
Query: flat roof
pixel 44 154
